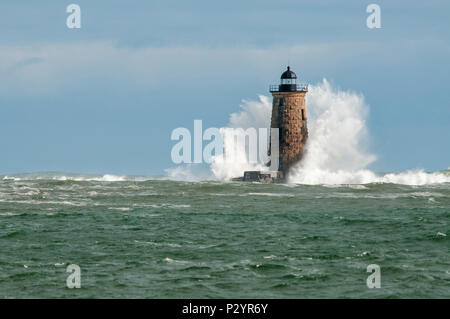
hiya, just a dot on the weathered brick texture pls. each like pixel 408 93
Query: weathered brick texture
pixel 289 115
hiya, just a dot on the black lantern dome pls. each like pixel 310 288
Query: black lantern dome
pixel 288 83
pixel 288 74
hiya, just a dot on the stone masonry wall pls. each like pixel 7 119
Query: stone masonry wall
pixel 293 131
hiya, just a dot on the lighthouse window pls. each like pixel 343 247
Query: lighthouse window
pixel 288 81
pixel 303 114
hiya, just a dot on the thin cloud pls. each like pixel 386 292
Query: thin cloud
pixel 48 68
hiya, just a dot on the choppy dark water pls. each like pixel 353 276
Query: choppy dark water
pixel 156 239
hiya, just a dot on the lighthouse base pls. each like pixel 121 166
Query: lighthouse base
pixel 261 177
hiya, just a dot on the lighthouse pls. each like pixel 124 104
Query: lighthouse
pixel 289 128
pixel 289 116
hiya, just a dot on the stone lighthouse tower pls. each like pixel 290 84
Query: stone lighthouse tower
pixel 289 115
pixel 289 120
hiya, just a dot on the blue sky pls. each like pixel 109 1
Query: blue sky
pixel 105 98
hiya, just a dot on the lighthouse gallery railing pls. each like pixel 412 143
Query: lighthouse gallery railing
pixel 299 88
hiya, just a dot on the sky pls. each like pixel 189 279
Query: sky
pixel 105 98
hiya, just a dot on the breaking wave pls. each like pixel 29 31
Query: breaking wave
pixel 337 150
pixel 72 177
pixel 254 114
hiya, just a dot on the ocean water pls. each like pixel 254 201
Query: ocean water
pixel 157 238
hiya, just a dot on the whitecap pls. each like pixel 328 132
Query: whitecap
pixel 271 194
pixel 364 253
pixel 8 214
pixel 170 260
pixel 12 178
pixel 357 186
pixel 426 194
